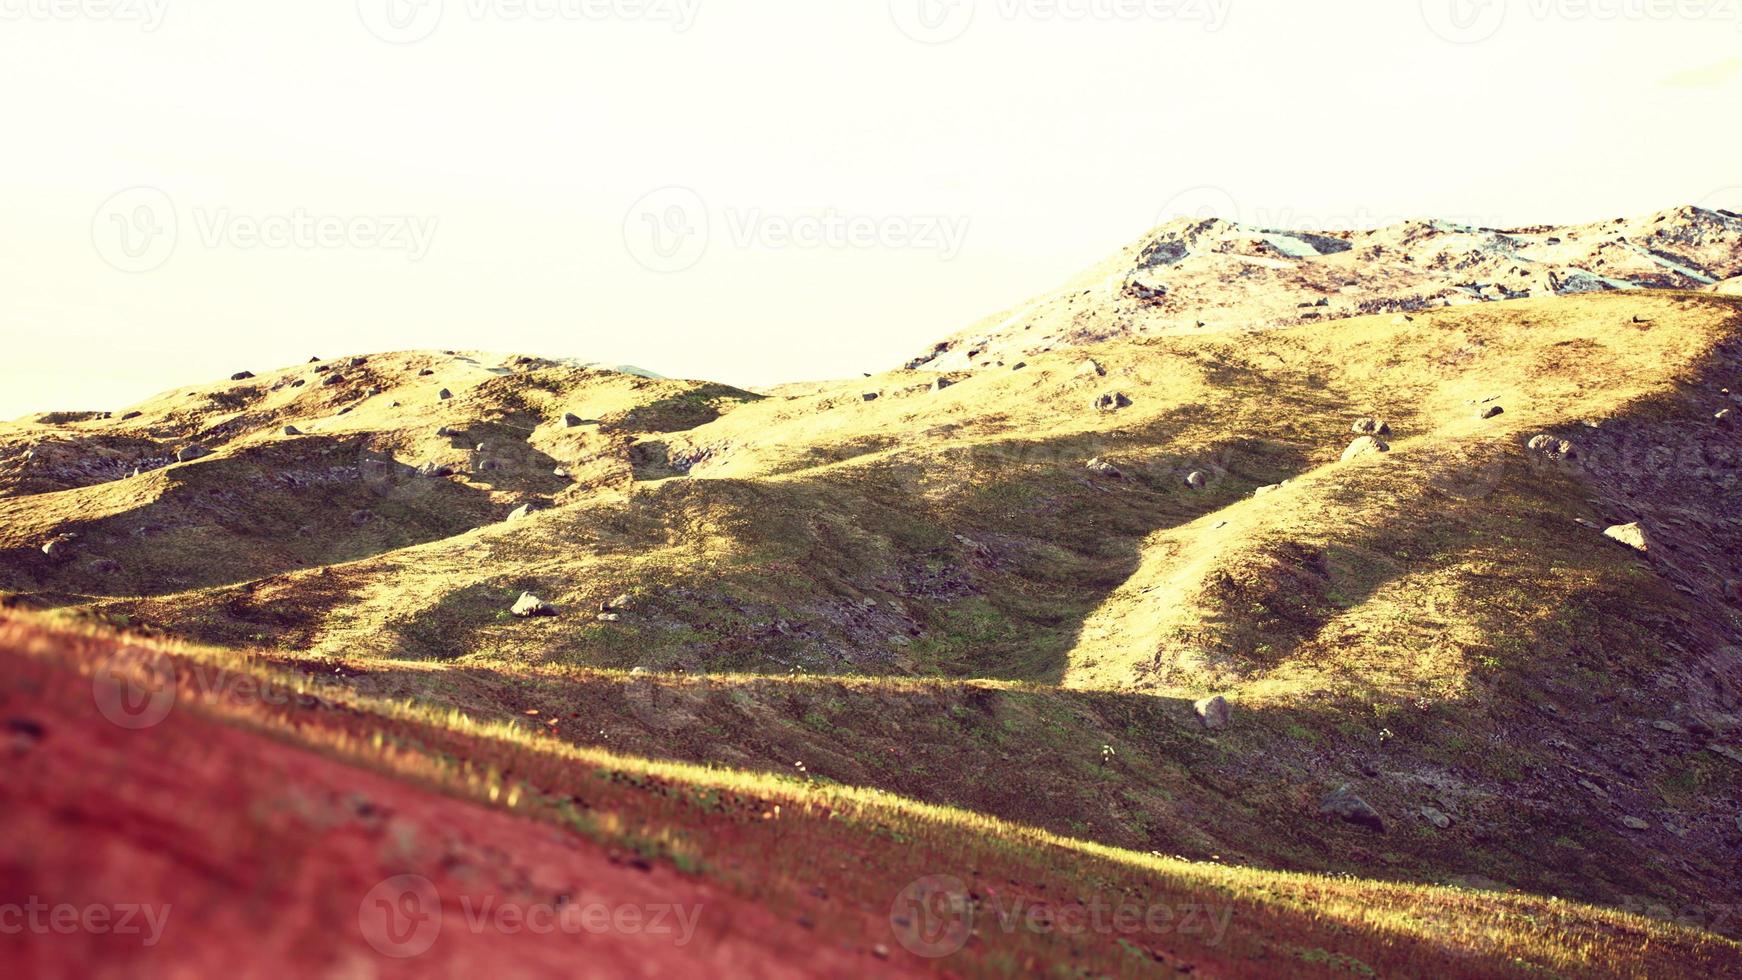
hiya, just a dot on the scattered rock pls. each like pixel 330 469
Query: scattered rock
pixel 131 415
pixel 332 379
pixel 1343 804
pixel 871 396
pixel 190 453
pixel 1112 402
pixel 522 512
pixel 619 604
pixel 1634 823
pixel 1371 427
pixel 433 470
pixel 530 605
pixel 291 430
pixel 1551 446
pixel 60 547
pixel 608 617
pixel 1364 446
pixel 1213 712
pixel 1493 411
pixel 1631 535
pixel 1197 480
pixel 1723 417
pixel 1670 727
pixel 446 433
pixel 1730 752
pixel 1272 488
pixel 571 421
pixel 1091 368
pixel 241 375
pixel 941 383
pixel 1435 817
pixel 359 361
pixel 560 472
pixel 1104 468
pixel 426 373
pixel 444 395
pixel 1019 365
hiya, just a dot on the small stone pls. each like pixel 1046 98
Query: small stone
pixel 1722 417
pixel 561 471
pixel 332 379
pixel 241 375
pixel 444 395
pixel 426 373
pixel 880 951
pixel 1262 491
pixel 1493 411
pixel 193 452
pixel 1634 823
pixel 530 605
pixel 1213 712
pixel 609 617
pixel 446 433
pixel 1670 727
pixel 1197 480
pixel 1631 535
pixel 1435 817
pixel 941 383
pixel 59 547
pixel 131 415
pixel 1112 402
pixel 1371 427
pixel 571 421
pixel 1343 804
pixel 291 430
pixel 522 512
pixel 1091 368
pixel 1104 468
pixel 871 396
pixel 619 604
pixel 1365 446
pixel 1019 365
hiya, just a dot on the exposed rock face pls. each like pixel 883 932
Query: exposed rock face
pixel 1632 535
pixel 1343 804
pixel 530 605
pixel 1214 712
pixel 190 453
pixel 1195 274
pixel 1365 446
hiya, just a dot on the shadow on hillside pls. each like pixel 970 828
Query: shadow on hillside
pixel 267 509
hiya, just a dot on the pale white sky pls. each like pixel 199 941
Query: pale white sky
pixel 541 176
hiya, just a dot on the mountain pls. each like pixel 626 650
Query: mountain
pixel 1466 579
pixel 1205 274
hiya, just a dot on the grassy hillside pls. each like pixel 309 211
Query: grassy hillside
pixel 932 592
pixel 832 880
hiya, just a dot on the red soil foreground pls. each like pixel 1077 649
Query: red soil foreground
pixel 193 848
